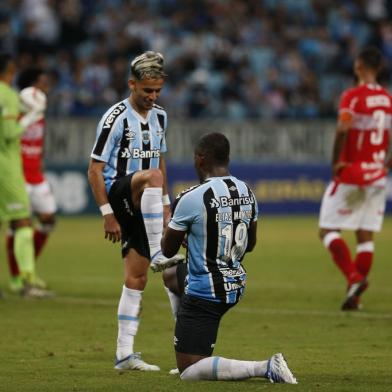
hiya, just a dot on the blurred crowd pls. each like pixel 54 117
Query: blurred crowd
pixel 225 58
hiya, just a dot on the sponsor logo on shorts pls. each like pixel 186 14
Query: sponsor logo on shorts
pixel 232 272
pixel 232 286
pixel 127 207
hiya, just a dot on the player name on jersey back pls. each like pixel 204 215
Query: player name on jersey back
pixel 228 216
pixel 378 100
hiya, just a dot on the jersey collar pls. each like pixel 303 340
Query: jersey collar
pixel 142 119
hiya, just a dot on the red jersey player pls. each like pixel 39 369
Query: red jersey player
pixel 34 83
pixel 355 198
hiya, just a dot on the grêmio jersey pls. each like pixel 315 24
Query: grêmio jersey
pixel 128 142
pixel 216 216
pixel 370 109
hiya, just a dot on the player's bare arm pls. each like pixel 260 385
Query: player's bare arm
pixel 171 241
pixel 95 177
pixel 165 190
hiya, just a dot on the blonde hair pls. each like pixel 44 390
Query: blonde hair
pixel 148 65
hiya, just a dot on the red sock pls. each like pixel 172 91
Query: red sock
pixel 342 256
pixel 12 264
pixel 364 258
pixel 40 238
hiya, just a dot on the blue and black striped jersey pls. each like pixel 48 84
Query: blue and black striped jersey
pixel 216 216
pixel 127 142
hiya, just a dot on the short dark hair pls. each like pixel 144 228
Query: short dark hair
pixel 28 77
pixel 5 59
pixel 216 147
pixel 371 58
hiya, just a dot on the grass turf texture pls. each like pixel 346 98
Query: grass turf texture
pixel 292 303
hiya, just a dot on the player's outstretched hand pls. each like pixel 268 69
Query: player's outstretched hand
pixel 112 228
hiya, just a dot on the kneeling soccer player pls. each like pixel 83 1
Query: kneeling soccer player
pixel 219 217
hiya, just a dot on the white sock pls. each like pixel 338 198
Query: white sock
pixel 152 211
pixel 174 301
pixel 128 321
pixel 365 247
pixel 218 368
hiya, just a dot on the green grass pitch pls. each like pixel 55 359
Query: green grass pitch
pixel 291 305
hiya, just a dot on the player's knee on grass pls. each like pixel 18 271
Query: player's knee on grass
pixel 184 361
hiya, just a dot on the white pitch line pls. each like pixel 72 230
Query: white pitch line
pixel 241 309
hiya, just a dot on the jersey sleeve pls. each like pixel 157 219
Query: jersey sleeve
pixel 33 99
pixel 347 105
pixel 105 142
pixel 183 214
pixel 255 207
pixel 9 112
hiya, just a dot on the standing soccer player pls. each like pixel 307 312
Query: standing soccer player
pixel 219 218
pixel 127 174
pixel 14 203
pixel 355 198
pixel 34 85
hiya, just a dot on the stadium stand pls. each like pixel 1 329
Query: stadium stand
pixel 233 59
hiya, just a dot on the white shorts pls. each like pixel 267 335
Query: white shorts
pixel 41 198
pixel 350 207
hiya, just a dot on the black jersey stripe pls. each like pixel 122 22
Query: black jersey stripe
pixel 124 154
pixel 232 188
pixel 146 147
pixel 161 120
pixel 234 194
pixel 183 193
pixel 251 194
pixel 107 127
pixel 212 238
